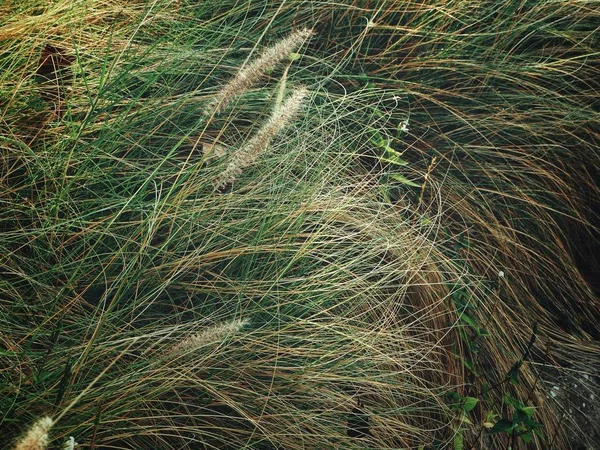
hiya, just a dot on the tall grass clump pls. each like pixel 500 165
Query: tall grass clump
pixel 222 230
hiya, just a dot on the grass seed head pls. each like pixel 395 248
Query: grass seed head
pixel 248 154
pixel 37 436
pixel 212 334
pixel 250 74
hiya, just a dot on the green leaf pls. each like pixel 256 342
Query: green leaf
pixel 469 321
pixel 393 157
pixel 402 179
pixel 513 401
pixel 527 437
pixel 461 298
pixel 529 410
pixel 503 425
pixel 395 161
pixel 377 139
pixel 470 403
pixel 492 417
pixel 295 56
pixel 454 400
pixel 458 442
pixel 465 419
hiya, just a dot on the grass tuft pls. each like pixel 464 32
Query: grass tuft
pixel 411 251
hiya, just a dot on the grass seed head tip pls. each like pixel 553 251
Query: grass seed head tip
pixel 37 436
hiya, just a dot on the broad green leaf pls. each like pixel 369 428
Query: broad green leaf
pixel 469 321
pixel 510 400
pixel 470 403
pixel 527 437
pixel 491 416
pixel 529 410
pixel 393 157
pixel 503 425
pixel 458 442
pixel 377 139
pixel 395 161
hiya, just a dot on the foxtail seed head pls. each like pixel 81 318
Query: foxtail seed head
pixel 250 74
pixel 37 436
pixel 248 154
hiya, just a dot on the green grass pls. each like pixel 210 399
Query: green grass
pixel 364 283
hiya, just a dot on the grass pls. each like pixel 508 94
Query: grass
pixel 405 241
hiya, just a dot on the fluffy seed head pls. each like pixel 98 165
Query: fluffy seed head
pixel 37 436
pixel 248 154
pixel 250 74
pixel 209 335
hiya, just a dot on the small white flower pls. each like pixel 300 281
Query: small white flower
pixel 404 126
pixel 501 274
pixel 69 443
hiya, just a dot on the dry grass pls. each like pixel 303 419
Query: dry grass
pixel 359 291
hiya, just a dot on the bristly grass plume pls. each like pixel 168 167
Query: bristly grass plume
pixel 251 151
pixel 212 334
pixel 249 75
pixel 37 436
